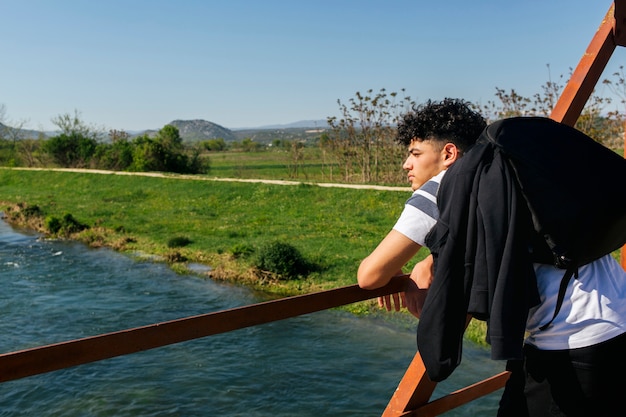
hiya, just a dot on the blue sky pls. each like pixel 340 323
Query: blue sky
pixel 139 64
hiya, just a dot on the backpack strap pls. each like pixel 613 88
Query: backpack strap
pixel 571 271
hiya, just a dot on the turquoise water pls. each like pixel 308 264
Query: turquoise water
pixel 327 363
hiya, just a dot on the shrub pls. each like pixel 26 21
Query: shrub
pixel 241 250
pixel 67 225
pixel 283 260
pixel 70 225
pixel 52 224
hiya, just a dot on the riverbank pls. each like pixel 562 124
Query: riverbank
pixel 56 291
pixel 226 223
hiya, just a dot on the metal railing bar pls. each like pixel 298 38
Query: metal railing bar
pixel 38 360
pixel 462 396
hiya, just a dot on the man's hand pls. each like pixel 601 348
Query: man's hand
pixel 395 301
pixel 423 273
pixel 414 298
pixel 415 293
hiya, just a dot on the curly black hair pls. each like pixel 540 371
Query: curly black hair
pixel 450 120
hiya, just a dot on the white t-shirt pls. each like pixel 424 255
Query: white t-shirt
pixel 593 311
pixel 420 211
pixel 594 308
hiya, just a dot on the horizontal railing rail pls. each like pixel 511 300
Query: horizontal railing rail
pixel 53 357
pixel 38 360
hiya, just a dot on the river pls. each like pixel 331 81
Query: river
pixel 323 364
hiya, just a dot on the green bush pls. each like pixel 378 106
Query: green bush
pixel 241 250
pixel 282 259
pixel 71 225
pixel 52 224
pixel 64 226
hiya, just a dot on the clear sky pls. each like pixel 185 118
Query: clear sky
pixel 139 64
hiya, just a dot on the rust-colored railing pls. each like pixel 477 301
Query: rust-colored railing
pixel 413 395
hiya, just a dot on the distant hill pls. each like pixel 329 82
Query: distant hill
pixel 198 130
pixel 6 133
pixel 309 124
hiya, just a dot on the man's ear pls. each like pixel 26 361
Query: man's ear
pixel 450 154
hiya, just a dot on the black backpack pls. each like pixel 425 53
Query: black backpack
pixel 573 189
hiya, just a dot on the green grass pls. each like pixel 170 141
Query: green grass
pixel 224 223
pixel 315 165
pixel 333 227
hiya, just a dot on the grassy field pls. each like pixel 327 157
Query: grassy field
pixel 226 222
pixel 312 165
pixel 277 164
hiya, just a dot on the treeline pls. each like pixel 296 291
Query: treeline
pixel 358 147
pixel 78 145
pixel 362 142
pixel 81 146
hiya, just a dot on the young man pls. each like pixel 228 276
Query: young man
pixel 436 134
pixel 572 367
pixel 486 265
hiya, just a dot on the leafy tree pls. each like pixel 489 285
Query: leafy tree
pixel 169 137
pixel 70 150
pixel 248 145
pixel 75 145
pixel 148 154
pixel 116 156
pixel 166 153
pixel 214 144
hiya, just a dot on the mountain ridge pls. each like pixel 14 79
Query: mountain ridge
pixel 196 130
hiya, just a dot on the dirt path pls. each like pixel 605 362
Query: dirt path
pixel 200 178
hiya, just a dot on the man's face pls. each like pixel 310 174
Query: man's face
pixel 425 160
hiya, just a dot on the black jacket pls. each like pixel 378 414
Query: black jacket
pixel 482 262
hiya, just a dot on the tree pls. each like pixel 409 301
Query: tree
pixel 73 125
pixel 12 133
pixel 296 151
pixel 591 121
pixel 214 144
pixel 70 150
pixel 148 154
pixel 75 145
pixel 169 137
pixel 618 87
pixel 166 153
pixel 364 139
pixel 117 155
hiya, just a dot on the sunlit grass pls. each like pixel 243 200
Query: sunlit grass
pixel 224 223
